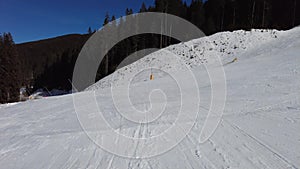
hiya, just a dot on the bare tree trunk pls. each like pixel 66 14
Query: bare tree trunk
pixel 8 97
pixel 106 65
pixel 170 35
pixel 294 17
pixel 233 22
pixel 106 61
pixel 253 12
pixel 161 38
pixel 222 20
pixel 264 15
pixel 166 24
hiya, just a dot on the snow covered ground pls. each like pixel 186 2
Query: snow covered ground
pixel 226 45
pixel 259 128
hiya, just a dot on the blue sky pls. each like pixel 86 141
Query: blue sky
pixel 30 20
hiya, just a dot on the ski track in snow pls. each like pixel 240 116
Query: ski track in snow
pixel 259 128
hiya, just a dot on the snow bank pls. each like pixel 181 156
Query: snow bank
pixel 226 45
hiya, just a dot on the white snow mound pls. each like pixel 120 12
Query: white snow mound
pixel 225 45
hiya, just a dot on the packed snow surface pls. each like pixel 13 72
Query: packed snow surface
pixel 259 127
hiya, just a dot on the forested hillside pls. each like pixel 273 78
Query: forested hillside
pixel 49 63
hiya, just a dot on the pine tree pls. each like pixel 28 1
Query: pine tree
pixel 113 18
pixel 106 19
pixel 90 30
pixel 143 8
pixel 9 70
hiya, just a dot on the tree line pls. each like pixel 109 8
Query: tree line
pixel 210 16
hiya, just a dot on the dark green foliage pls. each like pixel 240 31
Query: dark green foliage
pixel 49 63
pixel 59 74
pixel 10 73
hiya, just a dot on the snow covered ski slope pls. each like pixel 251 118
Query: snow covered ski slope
pixel 259 127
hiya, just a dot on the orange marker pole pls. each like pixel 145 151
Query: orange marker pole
pixel 151 75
